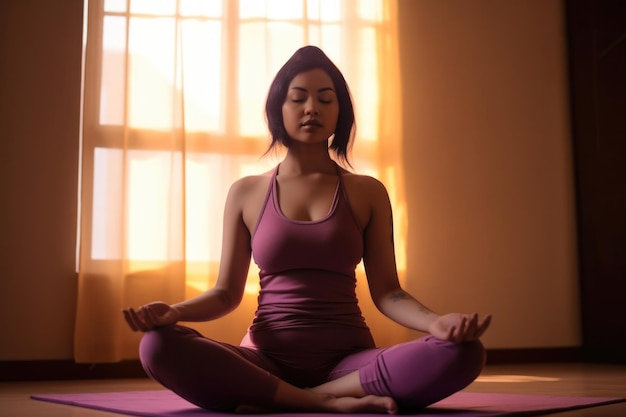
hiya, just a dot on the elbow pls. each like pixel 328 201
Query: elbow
pixel 228 300
pixel 383 300
pixel 380 303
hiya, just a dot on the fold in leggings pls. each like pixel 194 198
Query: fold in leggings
pixel 220 376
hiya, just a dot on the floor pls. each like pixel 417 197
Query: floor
pixel 550 379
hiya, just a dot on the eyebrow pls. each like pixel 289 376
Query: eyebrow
pixel 321 90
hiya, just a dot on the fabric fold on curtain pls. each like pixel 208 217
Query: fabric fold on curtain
pixel 172 109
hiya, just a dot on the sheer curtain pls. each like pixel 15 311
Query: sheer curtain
pixel 174 94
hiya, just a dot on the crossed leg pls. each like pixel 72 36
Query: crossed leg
pixel 220 376
pixel 415 374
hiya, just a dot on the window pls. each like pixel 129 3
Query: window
pixel 174 93
pixel 174 100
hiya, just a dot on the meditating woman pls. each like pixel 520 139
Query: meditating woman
pixel 307 224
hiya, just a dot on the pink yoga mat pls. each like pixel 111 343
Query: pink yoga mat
pixel 163 403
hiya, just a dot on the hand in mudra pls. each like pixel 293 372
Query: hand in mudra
pixel 149 316
pixel 458 327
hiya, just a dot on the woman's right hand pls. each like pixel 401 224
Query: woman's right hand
pixel 150 316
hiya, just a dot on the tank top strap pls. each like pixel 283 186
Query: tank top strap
pixel 340 199
pixel 344 196
pixel 271 190
pixel 340 176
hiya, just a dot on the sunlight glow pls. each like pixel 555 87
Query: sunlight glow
pixel 177 82
pixel 370 10
pixel 202 206
pixel 106 211
pixel 112 87
pixel 158 51
pixel 115 5
pixel 202 49
pixel 155 77
pixel 155 7
pixel 210 8
pixel 152 75
pixel 367 119
pixel 270 9
pixel 515 378
pixel 325 10
pixel 151 208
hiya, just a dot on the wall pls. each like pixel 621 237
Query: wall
pixel 487 159
pixel 489 166
pixel 40 53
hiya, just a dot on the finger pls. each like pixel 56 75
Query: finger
pixel 128 319
pixel 461 331
pixel 450 335
pixel 472 327
pixel 483 326
pixel 144 315
pixel 137 318
pixel 136 321
pixel 129 315
pixel 152 318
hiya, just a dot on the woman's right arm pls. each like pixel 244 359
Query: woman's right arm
pixel 228 291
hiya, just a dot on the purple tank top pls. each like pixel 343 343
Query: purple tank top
pixel 307 268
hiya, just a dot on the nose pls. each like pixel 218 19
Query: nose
pixel 311 107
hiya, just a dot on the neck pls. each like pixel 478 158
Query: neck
pixel 299 161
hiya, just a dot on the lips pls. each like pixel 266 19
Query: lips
pixel 311 122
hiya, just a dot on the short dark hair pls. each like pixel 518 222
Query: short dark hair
pixel 305 59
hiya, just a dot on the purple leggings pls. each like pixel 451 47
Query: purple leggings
pixel 220 376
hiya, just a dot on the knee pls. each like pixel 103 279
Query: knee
pixel 461 364
pixel 434 369
pixel 153 343
pixel 467 357
pixel 159 345
pixel 472 352
pixel 470 359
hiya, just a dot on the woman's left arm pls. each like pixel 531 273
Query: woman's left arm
pixel 382 276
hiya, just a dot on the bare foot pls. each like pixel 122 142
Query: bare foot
pixel 367 404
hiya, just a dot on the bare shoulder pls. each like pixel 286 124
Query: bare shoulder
pixel 247 195
pixel 368 197
pixel 249 185
pixel 365 186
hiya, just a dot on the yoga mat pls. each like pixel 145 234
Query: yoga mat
pixel 163 403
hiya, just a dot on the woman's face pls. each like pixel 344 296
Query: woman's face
pixel 311 109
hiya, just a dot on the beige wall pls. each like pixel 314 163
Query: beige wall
pixel 489 181
pixel 488 164
pixel 40 52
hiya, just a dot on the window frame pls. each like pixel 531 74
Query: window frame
pixel 118 136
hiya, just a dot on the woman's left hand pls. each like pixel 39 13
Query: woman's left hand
pixel 456 327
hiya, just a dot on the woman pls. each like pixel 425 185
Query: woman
pixel 308 223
